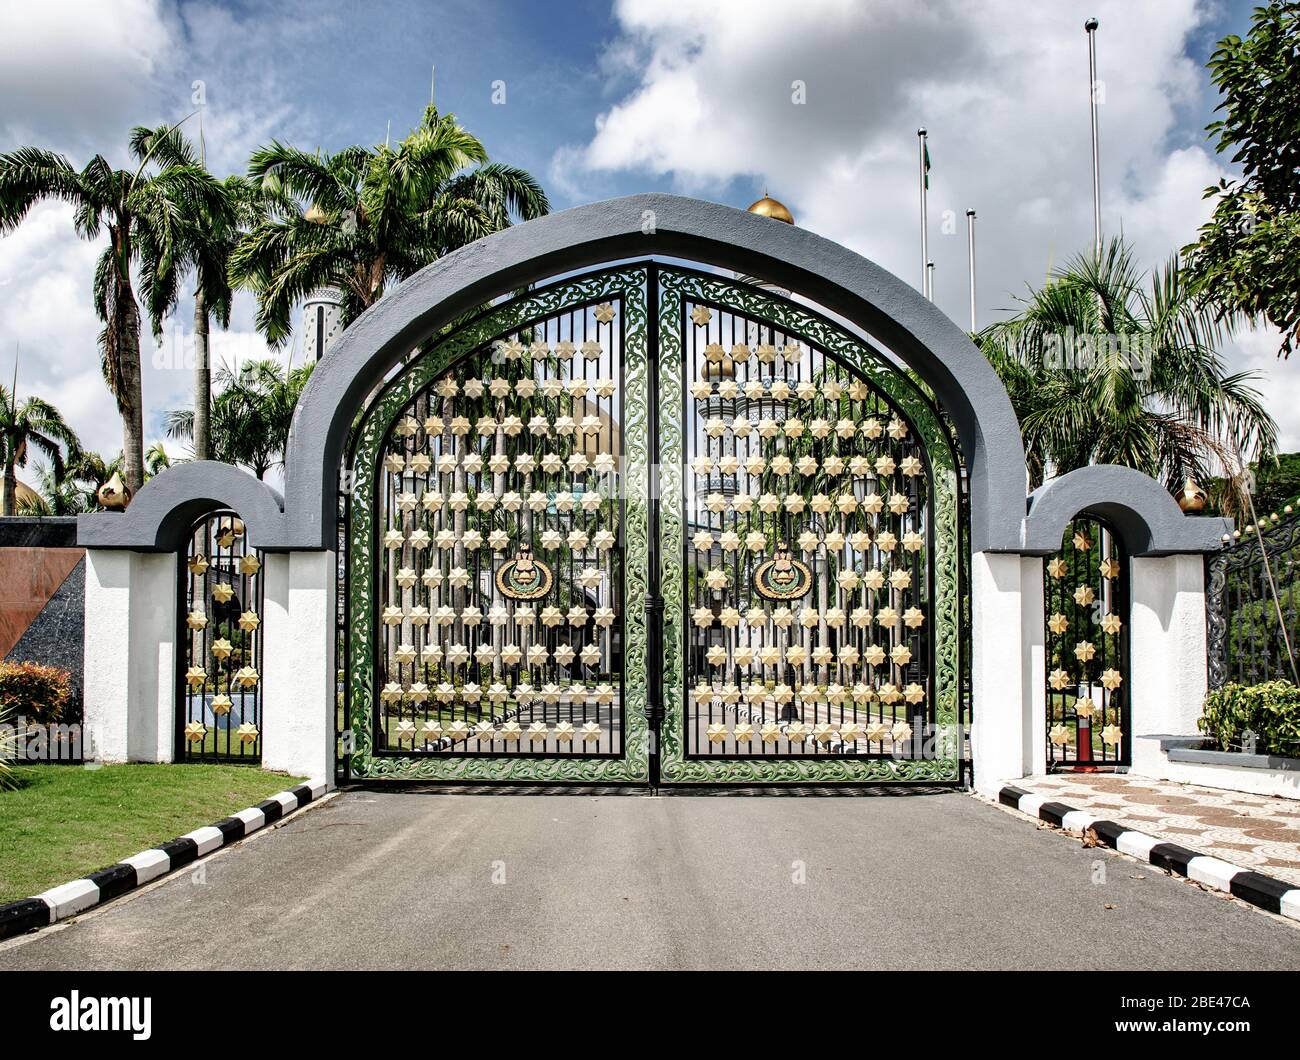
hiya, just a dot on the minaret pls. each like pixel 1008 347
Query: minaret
pixel 321 318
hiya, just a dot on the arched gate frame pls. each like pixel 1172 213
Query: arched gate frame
pixel 444 678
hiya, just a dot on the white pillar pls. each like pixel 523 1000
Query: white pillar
pixel 1001 665
pixel 1033 626
pixel 298 667
pixel 130 656
pixel 1167 653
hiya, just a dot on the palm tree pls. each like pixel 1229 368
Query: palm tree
pixel 89 470
pixel 206 240
pixel 251 414
pixel 1104 365
pixel 57 495
pixel 141 213
pixel 365 217
pixel 35 424
pixel 156 459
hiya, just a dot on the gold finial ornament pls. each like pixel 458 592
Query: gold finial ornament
pixel 113 494
pixel 1191 498
pixel 769 207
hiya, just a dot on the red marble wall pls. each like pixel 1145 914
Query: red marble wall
pixel 28 578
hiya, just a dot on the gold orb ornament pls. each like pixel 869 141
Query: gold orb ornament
pixel 229 529
pixel 769 207
pixel 1191 498
pixel 114 496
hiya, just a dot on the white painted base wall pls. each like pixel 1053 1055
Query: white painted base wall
pixel 1167 667
pixel 131 630
pixel 130 656
pixel 298 669
pixel 1168 674
pixel 1006 665
pixel 1278 783
pixel 130 660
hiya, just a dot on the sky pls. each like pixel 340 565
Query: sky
pixel 816 102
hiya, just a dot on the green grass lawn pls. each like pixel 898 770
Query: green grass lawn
pixel 67 821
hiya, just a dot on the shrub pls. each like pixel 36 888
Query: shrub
pixel 1271 710
pixel 35 692
pixel 8 750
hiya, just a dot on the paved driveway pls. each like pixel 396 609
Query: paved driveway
pixel 411 880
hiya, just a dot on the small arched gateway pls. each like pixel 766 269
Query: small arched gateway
pixel 650 521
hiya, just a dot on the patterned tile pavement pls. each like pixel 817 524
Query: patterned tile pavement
pixel 1253 831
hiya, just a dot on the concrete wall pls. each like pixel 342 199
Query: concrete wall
pixel 130 660
pixel 130 656
pixel 1167 661
pixel 298 668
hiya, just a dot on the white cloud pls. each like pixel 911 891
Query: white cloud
pixel 1279 380
pixel 72 69
pixel 50 323
pixel 75 77
pixel 1002 87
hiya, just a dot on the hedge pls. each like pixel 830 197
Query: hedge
pixel 37 693
pixel 1271 710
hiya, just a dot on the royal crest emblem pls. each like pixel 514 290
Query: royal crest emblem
pixel 524 578
pixel 782 577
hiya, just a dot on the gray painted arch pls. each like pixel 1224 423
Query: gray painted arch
pixel 1141 511
pixel 160 516
pixel 667 226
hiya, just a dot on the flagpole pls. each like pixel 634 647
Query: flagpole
pixel 970 261
pixel 1090 27
pixel 929 280
pixel 925 239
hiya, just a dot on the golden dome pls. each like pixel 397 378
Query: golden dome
pixel 769 207
pixel 24 494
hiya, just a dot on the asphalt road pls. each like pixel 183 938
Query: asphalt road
pixel 414 880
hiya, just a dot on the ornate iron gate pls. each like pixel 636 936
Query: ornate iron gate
pixel 1250 631
pixel 812 570
pixel 220 717
pixel 494 539
pixel 1086 603
pixel 523 604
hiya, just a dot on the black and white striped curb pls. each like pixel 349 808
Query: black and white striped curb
pixel 69 899
pixel 1276 896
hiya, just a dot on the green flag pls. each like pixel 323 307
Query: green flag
pixel 927 165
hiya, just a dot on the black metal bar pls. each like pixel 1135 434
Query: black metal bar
pixel 654 594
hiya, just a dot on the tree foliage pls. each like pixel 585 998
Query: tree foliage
pixel 140 210
pixel 1107 366
pixel 33 424
pixel 1248 254
pixel 251 414
pixel 362 218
